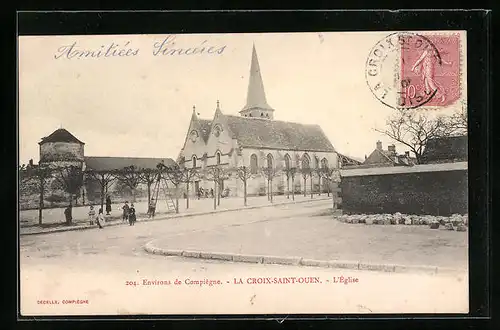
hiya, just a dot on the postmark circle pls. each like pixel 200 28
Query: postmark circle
pixel 394 77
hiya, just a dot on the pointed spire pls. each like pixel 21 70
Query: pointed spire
pixel 256 96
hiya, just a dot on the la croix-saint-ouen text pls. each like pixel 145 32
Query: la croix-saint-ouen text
pixel 249 280
pixel 166 46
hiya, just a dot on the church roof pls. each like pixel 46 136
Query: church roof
pixel 116 163
pixel 263 133
pixel 60 135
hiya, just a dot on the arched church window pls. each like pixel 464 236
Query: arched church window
pixel 194 161
pixel 287 161
pixel 269 161
pixel 324 163
pixel 305 161
pixel 262 114
pixel 217 155
pixel 253 164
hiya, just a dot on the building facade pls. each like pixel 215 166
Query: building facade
pixel 256 140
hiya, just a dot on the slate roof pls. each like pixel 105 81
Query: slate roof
pixel 264 133
pixel 60 135
pixel 452 148
pixel 113 163
pixel 346 160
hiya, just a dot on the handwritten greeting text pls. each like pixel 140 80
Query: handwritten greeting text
pixel 165 47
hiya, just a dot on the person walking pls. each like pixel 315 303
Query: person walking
pixel 100 219
pixel 131 215
pixel 108 205
pixel 92 215
pixel 126 210
pixel 68 214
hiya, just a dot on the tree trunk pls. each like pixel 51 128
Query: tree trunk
pixel 176 203
pixel 102 197
pixel 215 195
pixel 245 192
pixel 69 220
pixel 218 193
pixel 271 190
pixel 287 187
pixel 293 189
pixel 40 206
pixel 311 187
pixel 149 183
pixel 83 196
pixel 187 195
pixel 305 186
pixel 133 194
pixel 319 186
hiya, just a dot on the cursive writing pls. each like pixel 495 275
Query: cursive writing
pixel 165 47
pixel 111 50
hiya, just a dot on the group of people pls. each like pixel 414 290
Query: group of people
pixel 99 219
pixel 205 193
pixel 129 213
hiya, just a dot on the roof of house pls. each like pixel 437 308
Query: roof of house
pixel 264 133
pixel 60 135
pixel 453 148
pixel 114 163
pixel 346 160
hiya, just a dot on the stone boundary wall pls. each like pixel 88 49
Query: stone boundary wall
pixel 430 189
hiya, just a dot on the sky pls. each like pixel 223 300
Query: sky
pixel 140 105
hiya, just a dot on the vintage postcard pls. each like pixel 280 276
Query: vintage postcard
pixel 270 173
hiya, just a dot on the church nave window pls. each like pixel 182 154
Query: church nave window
pixel 217 155
pixel 253 164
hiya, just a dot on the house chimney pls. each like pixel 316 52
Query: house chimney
pixel 392 148
pixel 407 154
pixel 379 145
pixel 31 162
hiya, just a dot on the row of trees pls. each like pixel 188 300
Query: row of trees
pixel 71 178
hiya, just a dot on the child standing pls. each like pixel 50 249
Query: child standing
pixel 92 215
pixel 126 210
pixel 131 215
pixel 100 219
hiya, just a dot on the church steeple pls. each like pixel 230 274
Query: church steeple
pixel 256 105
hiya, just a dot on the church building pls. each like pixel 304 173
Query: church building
pixel 256 140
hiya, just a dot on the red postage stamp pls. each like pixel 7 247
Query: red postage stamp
pixel 407 70
pixel 432 72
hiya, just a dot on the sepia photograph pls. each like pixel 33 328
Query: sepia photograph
pixel 243 173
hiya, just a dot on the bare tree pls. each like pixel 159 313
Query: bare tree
pixel 41 174
pixel 71 180
pixel 218 175
pixel 104 178
pixel 331 175
pixel 270 173
pixel 306 172
pixel 188 174
pixel 413 128
pixel 130 176
pixel 149 176
pixel 290 173
pixel 244 173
